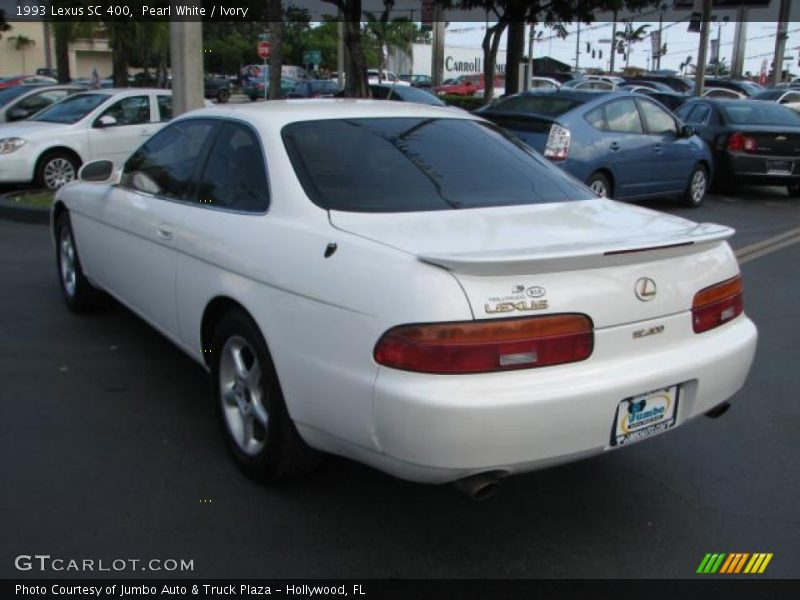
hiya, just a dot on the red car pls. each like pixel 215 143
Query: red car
pixel 7 82
pixel 467 85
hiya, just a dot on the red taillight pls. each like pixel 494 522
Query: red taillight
pixel 485 346
pixel 717 304
pixel 738 142
pixel 557 147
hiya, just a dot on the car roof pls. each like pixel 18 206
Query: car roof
pixel 277 113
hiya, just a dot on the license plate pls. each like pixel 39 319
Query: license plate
pixel 645 415
pixel 780 167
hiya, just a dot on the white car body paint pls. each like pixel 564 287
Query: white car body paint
pixel 321 317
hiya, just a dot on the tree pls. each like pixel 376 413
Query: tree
pixel 629 36
pixel 3 25
pixel 683 66
pixel 548 12
pixel 385 32
pixel 275 9
pixel 355 67
pixel 22 43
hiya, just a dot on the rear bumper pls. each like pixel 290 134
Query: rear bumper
pixel 746 168
pixel 435 429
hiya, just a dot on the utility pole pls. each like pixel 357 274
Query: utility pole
pixel 702 51
pixel 578 48
pixel 527 83
pixel 437 47
pixel 739 38
pixel 657 57
pixel 780 42
pixel 340 51
pixel 186 59
pixel 613 43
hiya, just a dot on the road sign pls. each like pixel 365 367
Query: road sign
pixel 263 50
pixel 312 57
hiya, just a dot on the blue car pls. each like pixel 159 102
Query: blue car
pixel 622 145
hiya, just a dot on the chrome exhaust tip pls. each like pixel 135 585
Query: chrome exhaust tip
pixel 718 410
pixel 480 486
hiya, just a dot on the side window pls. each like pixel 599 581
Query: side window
pixel 699 115
pixel 658 121
pixel 235 174
pixel 37 102
pixel 134 110
pixel 164 107
pixel 622 116
pixel 791 97
pixel 166 164
pixel 597 118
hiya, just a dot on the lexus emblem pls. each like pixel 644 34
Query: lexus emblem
pixel 645 289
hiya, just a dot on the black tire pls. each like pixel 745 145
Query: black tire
pixel 223 96
pixel 79 295
pixel 696 188
pixel 598 182
pixel 56 168
pixel 253 98
pixel 263 452
pixel 794 190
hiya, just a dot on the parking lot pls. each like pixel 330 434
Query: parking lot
pixel 111 450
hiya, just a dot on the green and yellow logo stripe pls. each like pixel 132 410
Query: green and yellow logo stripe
pixel 735 562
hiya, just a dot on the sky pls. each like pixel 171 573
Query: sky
pixel 680 43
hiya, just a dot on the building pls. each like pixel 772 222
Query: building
pixel 85 55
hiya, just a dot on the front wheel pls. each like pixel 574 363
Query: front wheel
pixel 78 293
pixel 696 190
pixel 56 169
pixel 223 96
pixel 255 423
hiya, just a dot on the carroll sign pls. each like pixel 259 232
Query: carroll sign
pixel 451 65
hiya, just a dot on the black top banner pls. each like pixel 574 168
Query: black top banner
pixel 319 10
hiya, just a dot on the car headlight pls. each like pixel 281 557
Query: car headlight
pixel 12 144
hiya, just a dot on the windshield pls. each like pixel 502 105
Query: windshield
pixel 419 164
pixel 8 94
pixel 549 105
pixel 759 113
pixel 71 109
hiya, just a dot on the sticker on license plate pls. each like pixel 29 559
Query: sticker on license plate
pixel 780 167
pixel 645 415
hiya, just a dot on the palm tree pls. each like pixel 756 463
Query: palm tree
pixel 21 44
pixel 386 32
pixel 630 36
pixel 685 64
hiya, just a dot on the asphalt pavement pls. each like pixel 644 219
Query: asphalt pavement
pixel 111 450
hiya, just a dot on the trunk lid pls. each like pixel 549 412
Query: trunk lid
pixel 587 256
pixel 531 129
pixel 773 141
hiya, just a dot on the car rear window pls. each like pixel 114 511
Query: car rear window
pixel 419 164
pixel 547 105
pixel 759 113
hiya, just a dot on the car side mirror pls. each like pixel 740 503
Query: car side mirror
pixel 17 114
pixel 105 121
pixel 97 170
pixel 687 131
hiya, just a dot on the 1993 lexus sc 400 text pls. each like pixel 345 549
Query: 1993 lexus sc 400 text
pixel 407 286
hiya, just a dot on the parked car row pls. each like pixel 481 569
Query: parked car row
pixel 626 145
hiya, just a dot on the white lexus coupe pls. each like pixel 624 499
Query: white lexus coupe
pixel 407 286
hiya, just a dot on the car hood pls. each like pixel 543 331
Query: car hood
pixel 565 235
pixel 32 129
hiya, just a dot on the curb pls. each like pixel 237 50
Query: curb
pixel 12 211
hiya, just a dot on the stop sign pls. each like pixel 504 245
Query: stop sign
pixel 263 50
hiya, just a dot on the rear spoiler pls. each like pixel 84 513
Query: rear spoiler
pixel 590 255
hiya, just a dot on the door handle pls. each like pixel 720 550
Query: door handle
pixel 164 232
pixel 614 146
